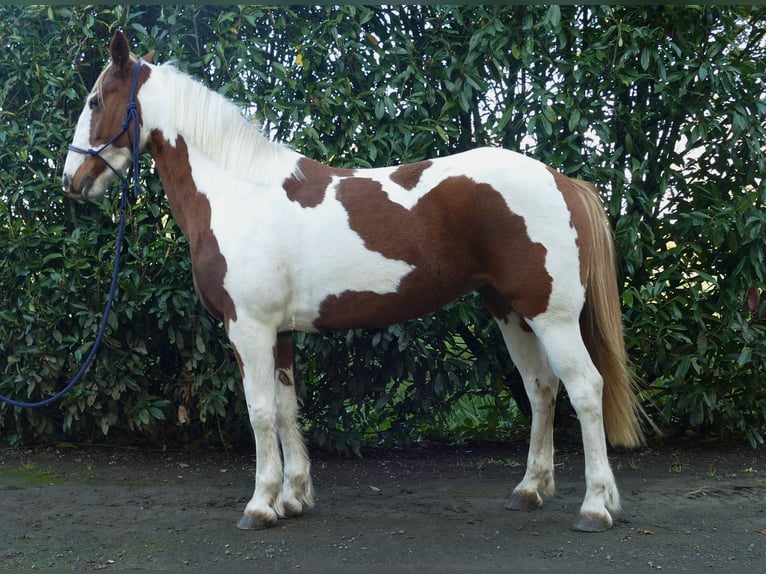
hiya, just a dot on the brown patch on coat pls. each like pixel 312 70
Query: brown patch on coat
pixel 284 377
pixel 309 186
pixel 459 236
pixel 191 210
pixel 113 92
pixel 524 325
pixel 283 357
pixel 498 306
pixel 409 175
pixel 113 95
pixel 579 219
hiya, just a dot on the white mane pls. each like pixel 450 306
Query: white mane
pixel 216 127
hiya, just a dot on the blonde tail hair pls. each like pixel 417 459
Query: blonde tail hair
pixel 601 325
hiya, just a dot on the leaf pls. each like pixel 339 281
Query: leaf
pixel 140 28
pixel 744 356
pixel 550 114
pixel 553 17
pixel 157 413
pixel 645 58
pixel 51 257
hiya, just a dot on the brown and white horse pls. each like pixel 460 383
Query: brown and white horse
pixel 280 243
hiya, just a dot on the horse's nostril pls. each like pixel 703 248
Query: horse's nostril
pixel 85 185
pixel 77 191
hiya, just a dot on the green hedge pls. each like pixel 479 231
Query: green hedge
pixel 663 107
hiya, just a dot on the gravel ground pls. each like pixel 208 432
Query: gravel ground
pixel 686 506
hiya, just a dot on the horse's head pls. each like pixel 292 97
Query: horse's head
pixel 103 140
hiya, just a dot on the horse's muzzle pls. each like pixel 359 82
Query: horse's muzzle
pixel 82 191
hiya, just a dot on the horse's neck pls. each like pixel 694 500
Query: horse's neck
pixel 190 124
pixel 190 208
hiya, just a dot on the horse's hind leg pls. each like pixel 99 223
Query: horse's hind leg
pixel 541 385
pixel 570 360
pixel 550 351
pixel 297 491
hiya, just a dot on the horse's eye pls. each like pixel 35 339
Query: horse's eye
pixel 94 103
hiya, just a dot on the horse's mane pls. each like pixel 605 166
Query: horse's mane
pixel 215 126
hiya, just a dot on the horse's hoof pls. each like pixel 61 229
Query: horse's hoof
pixel 248 522
pixel 526 502
pixel 293 510
pixel 591 523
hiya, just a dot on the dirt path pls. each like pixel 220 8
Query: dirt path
pixel 686 506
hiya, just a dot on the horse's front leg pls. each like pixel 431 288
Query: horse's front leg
pixel 297 491
pixel 255 344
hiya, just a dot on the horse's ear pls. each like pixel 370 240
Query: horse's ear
pixel 149 57
pixel 120 49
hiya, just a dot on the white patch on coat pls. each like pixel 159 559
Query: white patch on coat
pixel 80 139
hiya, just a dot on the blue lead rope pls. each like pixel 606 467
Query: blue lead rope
pixel 101 329
pixel 131 115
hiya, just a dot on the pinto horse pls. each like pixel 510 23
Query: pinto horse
pixel 281 243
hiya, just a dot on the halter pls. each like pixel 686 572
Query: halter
pixel 131 115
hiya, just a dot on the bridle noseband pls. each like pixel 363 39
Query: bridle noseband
pixel 131 116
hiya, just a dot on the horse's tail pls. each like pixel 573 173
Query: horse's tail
pixel 601 325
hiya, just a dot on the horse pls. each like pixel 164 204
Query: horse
pixel 281 243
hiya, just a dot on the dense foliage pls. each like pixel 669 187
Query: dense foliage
pixel 662 106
